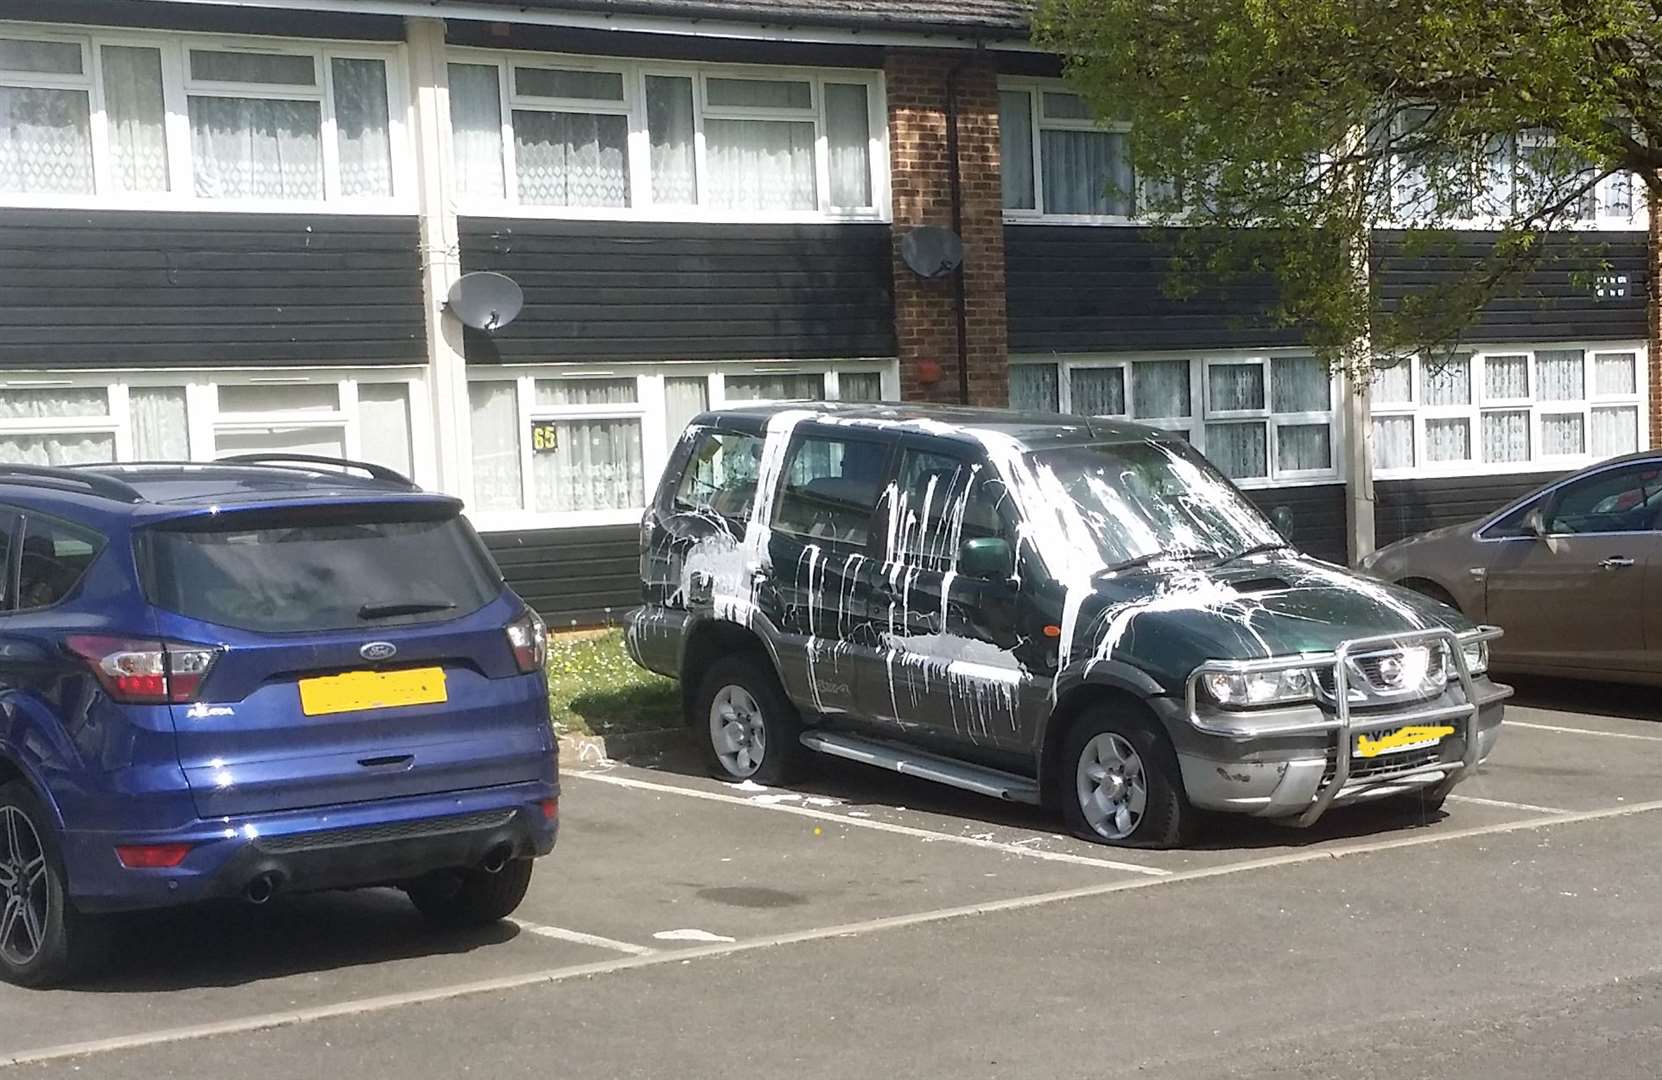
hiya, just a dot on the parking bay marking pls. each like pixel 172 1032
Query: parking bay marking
pixel 1582 731
pixel 363 1006
pixel 879 826
pixel 1508 805
pixel 577 937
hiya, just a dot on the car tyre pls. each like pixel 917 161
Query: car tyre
pixel 1120 783
pixel 750 730
pixel 44 941
pixel 460 899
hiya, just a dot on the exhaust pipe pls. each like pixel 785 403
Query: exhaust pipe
pixel 261 889
pixel 497 858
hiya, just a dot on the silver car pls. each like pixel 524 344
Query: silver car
pixel 1571 572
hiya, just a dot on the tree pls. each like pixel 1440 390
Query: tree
pixel 1313 121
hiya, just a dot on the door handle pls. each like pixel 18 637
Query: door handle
pixel 1615 562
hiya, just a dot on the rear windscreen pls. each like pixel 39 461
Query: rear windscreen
pixel 324 573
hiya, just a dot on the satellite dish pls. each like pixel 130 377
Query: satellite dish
pixel 932 251
pixel 485 301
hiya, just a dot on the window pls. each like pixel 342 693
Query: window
pixel 942 501
pixel 721 475
pixel 1509 408
pixel 52 559
pixel 1061 160
pixel 175 118
pixel 1261 418
pixel 199 418
pixel 830 490
pixel 780 387
pixel 1615 501
pixel 616 137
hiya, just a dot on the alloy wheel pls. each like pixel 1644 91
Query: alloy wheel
pixel 1112 786
pixel 738 731
pixel 24 893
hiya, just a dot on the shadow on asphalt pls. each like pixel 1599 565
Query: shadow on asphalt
pixel 1586 698
pixel 860 786
pixel 232 944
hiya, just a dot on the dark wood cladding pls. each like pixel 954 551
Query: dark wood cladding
pixel 578 577
pixel 600 290
pixel 1318 513
pixel 1554 302
pixel 132 289
pixel 717 50
pixel 1076 288
pixel 211 17
pixel 1408 507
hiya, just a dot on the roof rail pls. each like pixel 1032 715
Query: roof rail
pixel 374 472
pixel 70 478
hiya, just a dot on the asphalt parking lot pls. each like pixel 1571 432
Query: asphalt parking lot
pixel 866 924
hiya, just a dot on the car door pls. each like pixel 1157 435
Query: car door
pixel 949 619
pixel 821 564
pixel 1567 579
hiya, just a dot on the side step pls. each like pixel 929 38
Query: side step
pixel 910 762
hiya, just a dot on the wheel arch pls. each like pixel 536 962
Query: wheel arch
pixel 1072 705
pixel 14 768
pixel 1436 590
pixel 712 638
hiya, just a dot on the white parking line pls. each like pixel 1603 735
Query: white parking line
pixel 1507 805
pixel 1582 731
pixel 872 823
pixel 577 937
pixel 386 1002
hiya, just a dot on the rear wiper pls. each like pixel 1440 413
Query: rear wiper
pixel 1154 556
pixel 393 608
pixel 1255 549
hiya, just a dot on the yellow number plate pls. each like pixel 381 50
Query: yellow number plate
pixel 358 690
pixel 1412 737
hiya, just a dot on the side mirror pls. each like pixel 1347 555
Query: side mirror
pixel 988 558
pixel 1535 523
pixel 1283 518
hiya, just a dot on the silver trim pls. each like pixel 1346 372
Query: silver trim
pixel 1638 458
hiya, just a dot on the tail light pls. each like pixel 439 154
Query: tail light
pixel 143 672
pixel 151 856
pixel 528 635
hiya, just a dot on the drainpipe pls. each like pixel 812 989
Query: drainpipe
pixel 955 180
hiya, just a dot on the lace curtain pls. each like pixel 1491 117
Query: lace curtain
pixel 45 141
pixel 361 133
pixel 1560 375
pixel 160 429
pixel 1393 442
pixel 1562 433
pixel 1034 388
pixel 1098 391
pixel 685 396
pixel 848 142
pixel 1300 384
pixel 860 386
pixel 1613 373
pixel 669 125
pixel 1234 386
pixel 56 449
pixel 1015 140
pixel 1086 172
pixel 1450 439
pixel 596 465
pixel 1393 384
pixel 1160 388
pixel 1449 383
pixel 256 148
pixel 572 159
pixel 761 164
pixel 476 130
pixel 384 424
pixel 1505 377
pixel 1303 446
pixel 495 435
pixel 783 387
pixel 1506 435
pixel 1615 431
pixel 136 117
pixel 1238 450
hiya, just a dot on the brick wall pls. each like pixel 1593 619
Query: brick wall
pixel 925 318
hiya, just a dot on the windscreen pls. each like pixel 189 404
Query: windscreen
pixel 320 570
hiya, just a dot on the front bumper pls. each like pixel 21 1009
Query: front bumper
pixel 380 843
pixel 1298 762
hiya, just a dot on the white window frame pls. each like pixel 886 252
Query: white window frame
pixel 1193 426
pixel 1035 89
pixel 641 206
pixel 649 406
pixel 177 86
pixel 1534 405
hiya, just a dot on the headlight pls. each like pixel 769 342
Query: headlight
pixel 1477 656
pixel 1263 688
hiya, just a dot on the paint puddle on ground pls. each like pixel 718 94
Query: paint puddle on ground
pixel 690 935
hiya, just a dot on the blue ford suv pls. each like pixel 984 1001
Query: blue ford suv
pixel 251 677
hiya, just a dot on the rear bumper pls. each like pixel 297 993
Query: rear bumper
pixel 379 843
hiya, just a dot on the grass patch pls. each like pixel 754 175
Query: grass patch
pixel 595 689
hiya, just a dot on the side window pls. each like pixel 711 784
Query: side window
pixel 941 501
pixel 721 475
pixel 831 488
pixel 1512 525
pixel 8 534
pixel 1621 500
pixel 54 556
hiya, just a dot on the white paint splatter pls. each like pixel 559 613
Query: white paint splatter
pixel 691 935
